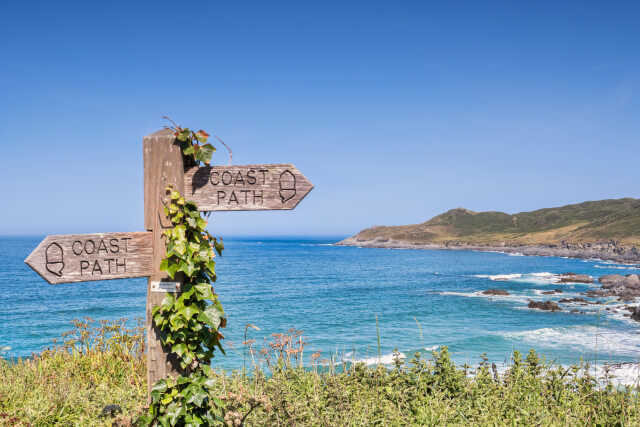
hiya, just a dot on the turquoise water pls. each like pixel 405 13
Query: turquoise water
pixel 333 295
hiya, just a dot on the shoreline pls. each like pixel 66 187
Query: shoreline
pixel 605 251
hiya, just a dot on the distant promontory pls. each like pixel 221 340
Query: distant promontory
pixel 605 229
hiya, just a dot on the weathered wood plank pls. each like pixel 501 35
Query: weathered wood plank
pixel 246 188
pixel 163 165
pixel 87 257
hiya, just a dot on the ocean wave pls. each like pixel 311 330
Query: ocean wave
pixel 627 373
pixel 541 278
pixel 618 263
pixel 498 277
pixel 519 298
pixel 385 359
pixel 617 374
pixel 617 267
pixel 582 338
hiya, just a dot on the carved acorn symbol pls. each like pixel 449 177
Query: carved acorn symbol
pixel 54 259
pixel 287 186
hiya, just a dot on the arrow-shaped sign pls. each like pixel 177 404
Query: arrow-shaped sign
pixel 246 188
pixel 85 257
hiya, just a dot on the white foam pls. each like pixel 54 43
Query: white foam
pixel 540 278
pixel 616 267
pixel 461 294
pixel 504 277
pixel 516 254
pixel 618 263
pixel 627 373
pixel 478 294
pixel 583 338
pixel 385 359
pixel 555 294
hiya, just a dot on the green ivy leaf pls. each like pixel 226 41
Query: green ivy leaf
pixel 179 349
pixel 202 136
pixel 204 153
pixel 212 316
pixel 190 311
pixel 198 398
pixel 158 388
pixel 204 291
pixel 167 302
pixel 164 264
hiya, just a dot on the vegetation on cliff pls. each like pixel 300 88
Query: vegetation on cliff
pixel 613 219
pixel 96 376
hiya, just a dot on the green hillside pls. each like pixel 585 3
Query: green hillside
pixel 617 219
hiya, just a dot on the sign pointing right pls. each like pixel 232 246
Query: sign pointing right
pixel 246 188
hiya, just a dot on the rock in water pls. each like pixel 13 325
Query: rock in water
pixel 566 300
pixel 545 305
pixel 495 292
pixel 636 314
pixel 575 278
pixel 614 280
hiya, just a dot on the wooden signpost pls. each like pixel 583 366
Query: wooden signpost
pixel 246 188
pixel 87 257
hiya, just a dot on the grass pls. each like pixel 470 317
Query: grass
pixel 102 363
pixel 601 220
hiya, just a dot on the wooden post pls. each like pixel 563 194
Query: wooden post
pixel 163 166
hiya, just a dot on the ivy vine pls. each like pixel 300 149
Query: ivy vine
pixel 194 145
pixel 189 323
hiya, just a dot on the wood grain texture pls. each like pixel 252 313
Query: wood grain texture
pixel 87 257
pixel 246 188
pixel 163 165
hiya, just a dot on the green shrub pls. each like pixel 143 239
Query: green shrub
pixel 95 366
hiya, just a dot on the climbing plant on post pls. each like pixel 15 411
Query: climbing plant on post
pixel 189 322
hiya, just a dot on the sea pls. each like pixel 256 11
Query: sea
pixel 351 303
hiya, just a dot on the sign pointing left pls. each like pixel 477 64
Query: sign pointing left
pixel 85 257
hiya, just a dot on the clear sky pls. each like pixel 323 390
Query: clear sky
pixel 396 111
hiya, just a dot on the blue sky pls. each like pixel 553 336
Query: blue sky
pixel 396 111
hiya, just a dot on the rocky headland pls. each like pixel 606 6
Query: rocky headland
pixel 611 250
pixel 603 229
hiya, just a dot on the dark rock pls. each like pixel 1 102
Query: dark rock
pixel 597 293
pixel 614 280
pixel 555 291
pixel 575 311
pixel 575 278
pixel 495 292
pixel 627 296
pixel 546 305
pixel 636 314
pixel 567 300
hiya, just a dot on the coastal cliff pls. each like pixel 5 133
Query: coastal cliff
pixel 605 229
